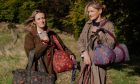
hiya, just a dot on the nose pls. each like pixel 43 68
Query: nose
pixel 89 14
pixel 42 20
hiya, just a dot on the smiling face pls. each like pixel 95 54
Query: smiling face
pixel 40 20
pixel 93 13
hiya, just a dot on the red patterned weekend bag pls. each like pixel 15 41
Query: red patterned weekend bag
pixel 61 59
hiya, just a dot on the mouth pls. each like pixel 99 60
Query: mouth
pixel 90 16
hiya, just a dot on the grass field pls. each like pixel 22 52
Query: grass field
pixel 12 56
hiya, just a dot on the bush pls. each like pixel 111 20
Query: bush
pixel 75 20
pixel 26 10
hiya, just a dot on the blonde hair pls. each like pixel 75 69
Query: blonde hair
pixel 94 4
pixel 29 23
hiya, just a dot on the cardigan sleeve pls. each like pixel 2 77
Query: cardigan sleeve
pixel 29 44
pixel 64 46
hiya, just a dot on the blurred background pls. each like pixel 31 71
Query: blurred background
pixel 67 19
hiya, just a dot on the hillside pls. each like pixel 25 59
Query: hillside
pixel 12 56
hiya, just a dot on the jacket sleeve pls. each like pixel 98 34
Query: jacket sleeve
pixel 64 46
pixel 81 41
pixel 105 37
pixel 29 44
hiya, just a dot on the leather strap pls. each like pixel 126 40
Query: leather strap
pixel 103 23
pixel 30 64
pixel 117 43
pixel 85 75
pixel 96 33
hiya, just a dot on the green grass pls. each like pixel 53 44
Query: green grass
pixel 5 38
pixel 121 77
pixel 7 64
pixel 15 58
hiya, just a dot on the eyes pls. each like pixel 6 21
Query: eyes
pixel 41 18
pixel 92 10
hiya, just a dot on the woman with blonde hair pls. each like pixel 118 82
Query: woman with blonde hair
pixel 94 12
pixel 39 38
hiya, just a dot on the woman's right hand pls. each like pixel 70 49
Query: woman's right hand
pixel 86 57
pixel 45 38
pixel 94 29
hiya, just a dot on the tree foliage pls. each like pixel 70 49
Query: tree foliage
pixel 15 10
pixel 122 13
pixel 25 10
pixel 68 15
pixel 75 20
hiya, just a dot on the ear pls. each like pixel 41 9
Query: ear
pixel 100 11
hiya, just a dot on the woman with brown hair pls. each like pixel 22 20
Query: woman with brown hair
pixel 40 39
pixel 94 12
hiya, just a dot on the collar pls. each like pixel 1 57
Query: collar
pixel 34 31
pixel 101 22
pixel 95 23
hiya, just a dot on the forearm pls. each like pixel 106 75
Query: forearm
pixel 40 49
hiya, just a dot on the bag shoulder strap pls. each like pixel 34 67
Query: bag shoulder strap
pixel 30 60
pixel 103 23
pixel 57 42
pixel 100 28
pixel 106 31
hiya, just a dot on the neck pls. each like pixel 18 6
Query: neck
pixel 99 19
pixel 39 30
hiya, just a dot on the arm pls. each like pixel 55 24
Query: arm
pixel 81 41
pixel 40 48
pixel 29 44
pixel 64 46
pixel 82 45
pixel 60 42
pixel 105 37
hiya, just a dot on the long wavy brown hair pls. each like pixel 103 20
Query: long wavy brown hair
pixel 29 23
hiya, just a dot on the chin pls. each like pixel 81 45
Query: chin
pixel 42 26
pixel 92 18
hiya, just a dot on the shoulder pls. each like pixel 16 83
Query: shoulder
pixel 87 24
pixel 108 22
pixel 29 35
pixel 51 32
pixel 109 25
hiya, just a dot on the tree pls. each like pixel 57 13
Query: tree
pixel 75 20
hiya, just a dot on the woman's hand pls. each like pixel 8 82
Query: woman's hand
pixel 86 58
pixel 94 29
pixel 45 38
